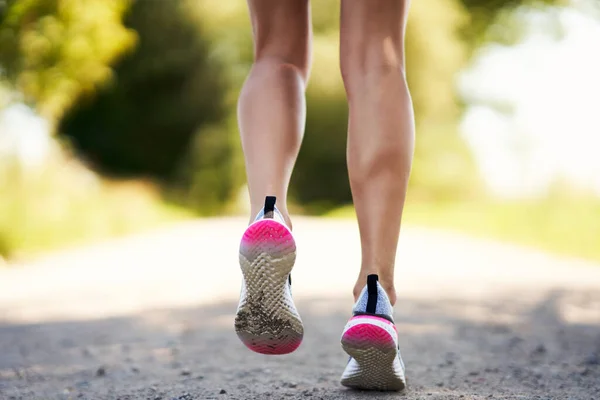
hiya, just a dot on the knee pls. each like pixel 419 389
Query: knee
pixel 282 67
pixel 371 65
pixel 285 51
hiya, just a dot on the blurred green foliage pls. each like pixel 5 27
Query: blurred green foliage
pixel 483 14
pixel 165 114
pixel 55 50
pixel 169 110
pixel 63 203
pixel 149 89
pixel 162 92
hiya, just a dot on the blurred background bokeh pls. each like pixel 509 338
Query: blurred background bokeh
pixel 119 115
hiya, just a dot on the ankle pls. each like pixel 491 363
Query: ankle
pixel 387 283
pixel 390 290
pixel 286 218
pixel 283 211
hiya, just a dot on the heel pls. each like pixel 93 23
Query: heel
pixel 369 333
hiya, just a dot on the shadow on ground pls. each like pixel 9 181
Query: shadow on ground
pixel 501 348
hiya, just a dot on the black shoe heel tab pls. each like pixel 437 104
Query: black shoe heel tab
pixel 269 206
pixel 372 292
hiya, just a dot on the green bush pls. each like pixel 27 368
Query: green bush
pixel 54 51
pixel 163 92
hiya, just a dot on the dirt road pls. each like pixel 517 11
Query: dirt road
pixel 151 317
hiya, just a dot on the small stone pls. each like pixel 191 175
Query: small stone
pixel 18 373
pixel 67 343
pixel 101 371
pixel 501 329
pixel 87 353
pixel 185 372
pixel 135 370
pixel 473 373
pixel 539 350
pixel 223 391
pixel 592 359
pixel 291 385
pixel 439 384
pixel 514 341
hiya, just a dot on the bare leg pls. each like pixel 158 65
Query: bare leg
pixel 381 128
pixel 271 107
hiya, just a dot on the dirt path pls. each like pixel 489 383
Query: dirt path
pixel 150 317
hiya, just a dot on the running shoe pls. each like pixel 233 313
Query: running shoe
pixel 371 340
pixel 267 321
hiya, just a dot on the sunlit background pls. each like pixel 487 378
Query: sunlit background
pixel 118 116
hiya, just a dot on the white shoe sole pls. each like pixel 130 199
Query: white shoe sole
pixel 267 321
pixel 375 364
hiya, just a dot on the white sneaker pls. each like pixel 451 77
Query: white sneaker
pixel 267 321
pixel 371 340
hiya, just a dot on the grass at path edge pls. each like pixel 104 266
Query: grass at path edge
pixel 558 226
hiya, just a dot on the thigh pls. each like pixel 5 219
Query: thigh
pixel 372 33
pixel 282 30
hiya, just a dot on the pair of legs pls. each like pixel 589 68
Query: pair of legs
pixel 272 112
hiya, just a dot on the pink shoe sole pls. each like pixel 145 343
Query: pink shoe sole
pixel 365 331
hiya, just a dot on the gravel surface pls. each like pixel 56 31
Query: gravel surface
pixel 151 317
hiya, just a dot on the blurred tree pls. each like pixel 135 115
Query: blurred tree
pixel 5 94
pixel 185 76
pixel 483 14
pixel 55 50
pixel 163 94
pixel 443 166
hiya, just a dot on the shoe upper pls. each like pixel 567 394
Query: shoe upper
pixel 373 300
pixel 270 211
